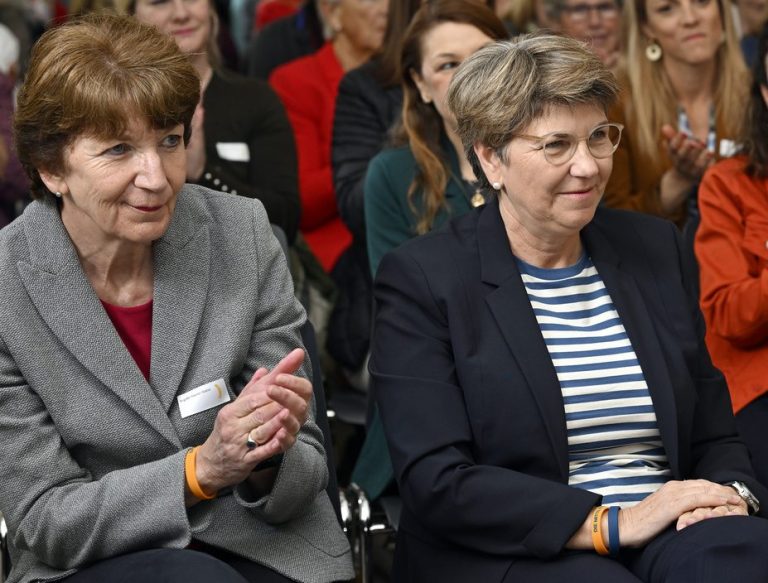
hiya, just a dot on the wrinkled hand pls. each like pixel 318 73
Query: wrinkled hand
pixel 689 500
pixel 694 516
pixel 272 408
pixel 689 155
pixel 196 147
pixel 286 401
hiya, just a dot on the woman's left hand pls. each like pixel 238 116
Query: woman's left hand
pixel 688 518
pixel 286 403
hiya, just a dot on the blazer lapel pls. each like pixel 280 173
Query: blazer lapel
pixel 638 322
pixel 511 309
pixel 64 298
pixel 181 288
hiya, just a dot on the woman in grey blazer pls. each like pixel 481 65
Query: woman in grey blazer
pixel 155 413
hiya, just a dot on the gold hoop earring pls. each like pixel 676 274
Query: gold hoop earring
pixel 653 52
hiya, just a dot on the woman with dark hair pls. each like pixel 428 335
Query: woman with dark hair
pixel 732 250
pixel 368 104
pixel 155 411
pixel 425 180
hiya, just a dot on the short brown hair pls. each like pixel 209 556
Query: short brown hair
pixel 92 76
pixel 504 87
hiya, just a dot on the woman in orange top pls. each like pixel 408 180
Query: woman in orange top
pixel 732 249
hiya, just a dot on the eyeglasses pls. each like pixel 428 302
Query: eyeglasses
pixel 559 147
pixel 581 12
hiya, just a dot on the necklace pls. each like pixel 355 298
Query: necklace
pixel 477 198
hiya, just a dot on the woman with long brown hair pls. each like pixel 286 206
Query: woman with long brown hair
pixel 426 178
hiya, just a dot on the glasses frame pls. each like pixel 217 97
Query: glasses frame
pixel 582 12
pixel 541 140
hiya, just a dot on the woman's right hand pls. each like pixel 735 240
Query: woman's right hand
pixel 639 524
pixel 690 159
pixel 224 459
pixel 196 147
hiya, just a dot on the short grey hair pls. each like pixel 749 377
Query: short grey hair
pixel 504 87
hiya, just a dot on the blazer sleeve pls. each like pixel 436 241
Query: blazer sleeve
pixel 385 193
pixel 57 510
pixel 415 379
pixel 734 288
pixel 707 431
pixel 258 114
pixel 303 473
pixel 357 137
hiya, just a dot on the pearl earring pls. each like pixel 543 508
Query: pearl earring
pixel 57 194
pixel 496 185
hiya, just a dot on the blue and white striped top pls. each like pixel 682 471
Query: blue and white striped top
pixel 614 445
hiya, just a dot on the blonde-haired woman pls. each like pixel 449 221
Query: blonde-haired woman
pixel 426 179
pixel 684 87
pixel 242 140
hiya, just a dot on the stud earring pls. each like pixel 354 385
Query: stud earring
pixel 496 185
pixel 57 194
pixel 653 52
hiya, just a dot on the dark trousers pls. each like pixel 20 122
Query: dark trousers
pixel 176 566
pixel 752 422
pixel 733 548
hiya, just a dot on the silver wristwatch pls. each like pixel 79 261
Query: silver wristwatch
pixel 746 494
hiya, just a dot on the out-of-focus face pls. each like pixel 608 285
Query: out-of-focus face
pixel 541 199
pixel 361 22
pixel 595 22
pixel 122 189
pixel 753 14
pixel 187 21
pixel 688 31
pixel 443 49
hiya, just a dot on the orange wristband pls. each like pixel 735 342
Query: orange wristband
pixel 190 471
pixel 597 530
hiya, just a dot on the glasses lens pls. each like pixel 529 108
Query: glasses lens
pixel 581 12
pixel 604 140
pixel 559 148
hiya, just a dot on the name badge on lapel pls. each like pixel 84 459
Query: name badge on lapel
pixel 233 151
pixel 203 398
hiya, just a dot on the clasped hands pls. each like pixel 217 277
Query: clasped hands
pixel 680 502
pixel 271 409
pixel 690 156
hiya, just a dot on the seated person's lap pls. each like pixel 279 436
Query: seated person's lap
pixel 723 549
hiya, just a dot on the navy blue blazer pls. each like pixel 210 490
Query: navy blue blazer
pixel 472 407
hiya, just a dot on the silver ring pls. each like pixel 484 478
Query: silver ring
pixel 250 443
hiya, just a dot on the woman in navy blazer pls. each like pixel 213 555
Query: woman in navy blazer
pixel 488 437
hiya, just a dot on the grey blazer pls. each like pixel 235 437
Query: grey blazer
pixel 92 455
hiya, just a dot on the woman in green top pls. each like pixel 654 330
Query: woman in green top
pixel 417 185
pixel 425 178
